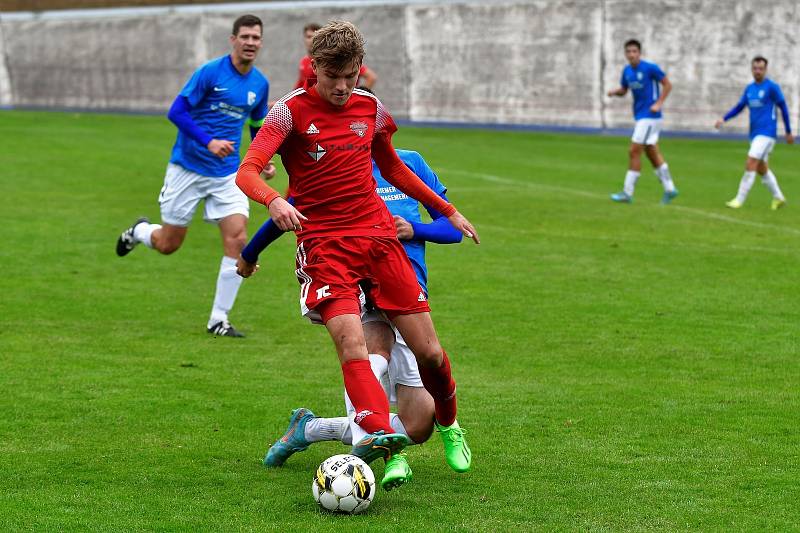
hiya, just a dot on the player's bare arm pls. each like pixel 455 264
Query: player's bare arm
pixel 368 78
pixel 666 88
pixel 619 91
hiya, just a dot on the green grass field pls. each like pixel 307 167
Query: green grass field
pixel 620 366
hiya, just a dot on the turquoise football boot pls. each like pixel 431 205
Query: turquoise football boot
pixel 294 440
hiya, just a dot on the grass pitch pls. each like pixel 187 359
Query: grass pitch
pixel 619 366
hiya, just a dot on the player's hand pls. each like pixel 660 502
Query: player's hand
pixel 405 231
pixel 655 108
pixel 285 216
pixel 612 93
pixel 789 138
pixel 269 171
pixel 245 269
pixel 718 124
pixel 464 226
pixel 220 148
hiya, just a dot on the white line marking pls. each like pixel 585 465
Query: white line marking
pixel 587 194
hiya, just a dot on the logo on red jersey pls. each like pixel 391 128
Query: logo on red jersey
pixel 359 128
pixel 312 130
pixel 421 297
pixel 318 153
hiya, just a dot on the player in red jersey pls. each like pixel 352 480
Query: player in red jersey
pixel 327 134
pixel 366 76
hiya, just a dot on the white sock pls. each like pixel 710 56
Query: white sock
pixel 380 367
pixel 394 418
pixel 143 233
pixel 744 186
pixel 666 178
pixel 630 181
pixel 319 429
pixel 771 182
pixel 228 282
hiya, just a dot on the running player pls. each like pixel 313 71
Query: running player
pixel 366 76
pixel 327 135
pixel 391 360
pixel 210 112
pixel 760 97
pixel 645 80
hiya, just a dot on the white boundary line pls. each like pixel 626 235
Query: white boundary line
pixel 586 194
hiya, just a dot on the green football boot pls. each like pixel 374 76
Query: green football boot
pixel 456 451
pixel 396 472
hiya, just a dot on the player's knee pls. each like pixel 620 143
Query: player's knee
pixel 431 356
pixel 235 243
pixel 635 151
pixel 419 430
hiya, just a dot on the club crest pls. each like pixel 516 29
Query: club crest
pixel 359 128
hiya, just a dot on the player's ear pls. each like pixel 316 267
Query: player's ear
pixel 313 65
pixel 232 39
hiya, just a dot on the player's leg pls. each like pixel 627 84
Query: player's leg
pixel 415 407
pixel 634 167
pixel 769 179
pixel 178 200
pixel 368 397
pixel 379 338
pixel 434 367
pixel 415 411
pixel 227 206
pixel 745 184
pixel 661 168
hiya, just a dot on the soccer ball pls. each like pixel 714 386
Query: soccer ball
pixel 343 484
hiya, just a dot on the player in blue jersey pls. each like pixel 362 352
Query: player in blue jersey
pixel 210 113
pixel 761 97
pixel 650 87
pixel 390 358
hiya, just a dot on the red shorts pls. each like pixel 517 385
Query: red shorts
pixel 337 273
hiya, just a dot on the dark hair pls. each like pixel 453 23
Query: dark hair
pixel 248 21
pixel 311 26
pixel 760 59
pixel 337 45
pixel 633 42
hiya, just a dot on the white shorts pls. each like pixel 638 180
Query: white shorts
pixel 760 147
pixel 183 190
pixel 647 130
pixel 403 369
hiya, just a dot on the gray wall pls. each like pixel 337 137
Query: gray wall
pixel 528 62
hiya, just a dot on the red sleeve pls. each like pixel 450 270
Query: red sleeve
pixel 277 126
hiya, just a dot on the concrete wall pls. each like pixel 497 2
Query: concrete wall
pixel 525 62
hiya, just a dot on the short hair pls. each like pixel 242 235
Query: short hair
pixel 337 45
pixel 248 21
pixel 311 26
pixel 760 59
pixel 633 42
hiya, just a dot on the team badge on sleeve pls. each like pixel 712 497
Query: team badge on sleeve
pixel 359 128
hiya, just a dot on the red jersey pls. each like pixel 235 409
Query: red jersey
pixel 327 151
pixel 306 72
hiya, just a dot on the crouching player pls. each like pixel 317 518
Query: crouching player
pixel 391 360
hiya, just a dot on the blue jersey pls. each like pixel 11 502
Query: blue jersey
pixel 644 81
pixel 221 99
pixel 762 99
pixel 401 205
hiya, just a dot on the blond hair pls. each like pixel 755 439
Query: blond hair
pixel 337 45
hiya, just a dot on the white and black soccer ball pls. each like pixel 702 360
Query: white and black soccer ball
pixel 343 484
